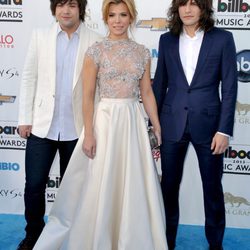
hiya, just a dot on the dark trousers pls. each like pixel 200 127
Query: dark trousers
pixel 40 153
pixel 211 170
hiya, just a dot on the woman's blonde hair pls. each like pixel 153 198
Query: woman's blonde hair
pixel 129 3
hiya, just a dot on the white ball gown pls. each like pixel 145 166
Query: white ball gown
pixel 114 201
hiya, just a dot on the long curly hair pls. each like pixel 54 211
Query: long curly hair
pixel 206 21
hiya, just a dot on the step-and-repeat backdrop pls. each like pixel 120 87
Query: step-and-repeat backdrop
pixel 17 20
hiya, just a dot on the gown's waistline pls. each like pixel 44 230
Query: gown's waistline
pixel 119 100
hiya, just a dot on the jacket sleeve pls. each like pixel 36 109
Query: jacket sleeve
pixel 228 86
pixel 28 83
pixel 160 82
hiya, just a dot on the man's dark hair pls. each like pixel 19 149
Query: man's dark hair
pixel 81 4
pixel 206 19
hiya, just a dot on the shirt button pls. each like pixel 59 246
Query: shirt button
pixel 186 108
pixel 189 91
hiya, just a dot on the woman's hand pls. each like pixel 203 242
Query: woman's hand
pixel 157 133
pixel 89 146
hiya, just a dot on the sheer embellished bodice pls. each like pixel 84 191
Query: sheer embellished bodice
pixel 121 65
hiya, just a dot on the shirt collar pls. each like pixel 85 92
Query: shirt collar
pixel 198 34
pixel 59 29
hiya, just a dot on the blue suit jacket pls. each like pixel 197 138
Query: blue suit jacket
pixel 200 102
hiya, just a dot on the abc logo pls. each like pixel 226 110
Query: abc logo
pixel 243 65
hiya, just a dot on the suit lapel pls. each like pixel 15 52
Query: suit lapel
pixel 79 57
pixel 80 54
pixel 204 51
pixel 52 53
pixel 176 57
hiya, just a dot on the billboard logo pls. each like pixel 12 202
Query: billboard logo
pixel 9 138
pixel 237 160
pixel 11 11
pixel 7 99
pixel 243 65
pixel 233 6
pixel 232 153
pixel 51 196
pixel 8 130
pixel 53 183
pixel 232 14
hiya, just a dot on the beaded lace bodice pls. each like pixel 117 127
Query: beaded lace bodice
pixel 121 65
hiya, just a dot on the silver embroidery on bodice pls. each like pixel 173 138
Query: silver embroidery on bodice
pixel 121 65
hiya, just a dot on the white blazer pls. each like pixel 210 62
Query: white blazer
pixel 37 94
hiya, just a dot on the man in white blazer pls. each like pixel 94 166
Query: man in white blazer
pixel 50 110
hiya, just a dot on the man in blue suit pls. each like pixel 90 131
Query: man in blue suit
pixel 196 61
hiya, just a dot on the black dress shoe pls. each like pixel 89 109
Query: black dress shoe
pixel 215 248
pixel 27 243
pixel 171 247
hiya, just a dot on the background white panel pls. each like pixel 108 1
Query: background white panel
pixel 237 170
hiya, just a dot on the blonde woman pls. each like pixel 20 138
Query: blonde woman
pixel 111 193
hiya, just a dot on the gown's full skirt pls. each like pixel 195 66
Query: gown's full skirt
pixel 114 201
